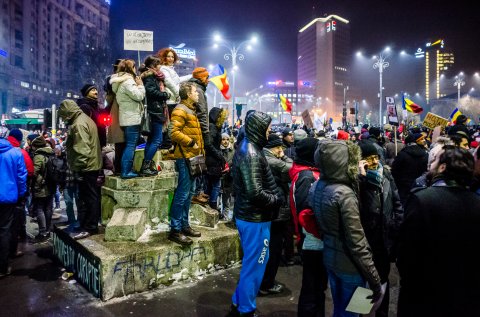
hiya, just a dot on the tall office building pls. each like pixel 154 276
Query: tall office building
pixel 323 64
pixel 438 62
pixel 49 49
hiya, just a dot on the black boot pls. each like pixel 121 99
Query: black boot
pixel 146 171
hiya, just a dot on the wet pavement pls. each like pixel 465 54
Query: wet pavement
pixel 35 288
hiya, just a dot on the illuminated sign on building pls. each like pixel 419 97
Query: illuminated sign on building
pixel 281 83
pixel 331 26
pixel 438 42
pixel 419 53
pixel 184 52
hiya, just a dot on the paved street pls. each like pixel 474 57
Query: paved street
pixel 35 288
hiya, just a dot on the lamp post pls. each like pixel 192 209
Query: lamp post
pixel 344 117
pixel 381 64
pixel 234 54
pixel 459 82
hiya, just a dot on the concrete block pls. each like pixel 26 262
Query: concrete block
pixel 204 216
pixel 126 224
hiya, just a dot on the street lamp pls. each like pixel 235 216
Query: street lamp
pixel 234 54
pixel 344 117
pixel 381 64
pixel 459 82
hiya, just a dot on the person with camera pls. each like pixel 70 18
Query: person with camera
pixel 185 132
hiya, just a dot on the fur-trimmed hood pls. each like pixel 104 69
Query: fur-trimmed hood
pixel 119 78
pixel 338 161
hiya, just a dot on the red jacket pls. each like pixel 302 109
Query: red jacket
pixel 28 161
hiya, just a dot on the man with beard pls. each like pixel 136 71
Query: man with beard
pixel 437 239
pixel 89 105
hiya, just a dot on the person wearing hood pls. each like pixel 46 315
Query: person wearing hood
pixel 460 125
pixel 227 151
pixel 84 158
pixel 19 221
pixel 14 179
pixel 347 255
pixel 89 105
pixel 303 174
pixel 257 201
pixel 410 163
pixel 214 158
pixel 129 92
pixel 43 191
pixel 381 213
pixel 156 96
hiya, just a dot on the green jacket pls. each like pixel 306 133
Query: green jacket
pixel 40 188
pixel 82 145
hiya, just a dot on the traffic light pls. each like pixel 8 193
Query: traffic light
pixel 47 118
pixel 352 110
pixel 105 119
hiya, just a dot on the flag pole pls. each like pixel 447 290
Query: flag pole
pixel 395 139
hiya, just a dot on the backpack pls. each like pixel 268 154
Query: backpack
pixel 55 171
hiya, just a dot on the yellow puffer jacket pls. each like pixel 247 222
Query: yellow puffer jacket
pixel 184 130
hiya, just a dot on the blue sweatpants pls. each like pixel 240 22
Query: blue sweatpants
pixel 255 238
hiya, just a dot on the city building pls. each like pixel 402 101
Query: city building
pixel 438 62
pixel 324 64
pixel 49 49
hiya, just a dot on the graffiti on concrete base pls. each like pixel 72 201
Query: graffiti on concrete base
pixel 158 264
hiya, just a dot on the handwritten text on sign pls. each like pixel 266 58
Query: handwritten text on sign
pixel 432 120
pixel 134 40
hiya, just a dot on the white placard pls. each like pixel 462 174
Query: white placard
pixel 136 40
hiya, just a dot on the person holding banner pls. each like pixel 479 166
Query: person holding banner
pixel 129 92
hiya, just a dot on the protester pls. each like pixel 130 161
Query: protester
pixel 89 105
pixel 85 160
pixel 14 179
pixel 186 134
pixel 257 200
pixel 227 199
pixel 347 255
pixel 129 92
pixel 437 237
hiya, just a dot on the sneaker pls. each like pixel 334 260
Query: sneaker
pixel 56 216
pixel 188 231
pixel 199 200
pixel 275 289
pixel 6 273
pixel 58 209
pixel 179 238
pixel 81 235
pixel 40 238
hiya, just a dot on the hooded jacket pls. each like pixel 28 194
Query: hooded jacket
pixel 202 105
pixel 184 130
pixel 336 208
pixel 14 174
pixel 90 108
pixel 215 160
pixel 82 145
pixel 40 187
pixel 129 97
pixel 172 82
pixel 257 198
pixel 28 161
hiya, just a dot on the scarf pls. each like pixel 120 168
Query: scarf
pixel 375 177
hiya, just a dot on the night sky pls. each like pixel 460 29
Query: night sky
pixel 374 24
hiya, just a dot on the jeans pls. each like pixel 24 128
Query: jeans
pixel 311 302
pixel 131 136
pixel 182 198
pixel 199 185
pixel 255 240
pixel 6 219
pixel 154 140
pixel 213 188
pixel 70 193
pixel 342 287
pixel 89 195
pixel 44 213
pixel 57 197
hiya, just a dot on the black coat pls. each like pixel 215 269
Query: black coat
pixel 156 99
pixel 410 163
pixel 257 198
pixel 437 245
pixel 214 157
pixel 90 108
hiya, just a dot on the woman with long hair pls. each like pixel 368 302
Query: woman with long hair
pixel 129 92
pixel 156 97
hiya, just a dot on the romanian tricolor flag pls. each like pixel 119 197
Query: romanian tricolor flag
pixel 285 103
pixel 454 116
pixel 410 106
pixel 218 76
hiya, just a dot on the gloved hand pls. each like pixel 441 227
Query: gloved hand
pixel 378 292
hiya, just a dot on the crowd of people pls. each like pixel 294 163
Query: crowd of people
pixel 344 204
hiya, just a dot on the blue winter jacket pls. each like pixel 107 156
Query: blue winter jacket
pixel 13 175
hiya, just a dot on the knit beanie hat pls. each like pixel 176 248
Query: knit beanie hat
pixel 374 131
pixel 273 141
pixel 201 74
pixel 461 119
pixel 342 135
pixel 39 142
pixel 17 134
pixel 299 134
pixel 225 136
pixel 32 137
pixel 368 149
pixel 86 88
pixel 286 132
pixel 305 150
pixel 418 137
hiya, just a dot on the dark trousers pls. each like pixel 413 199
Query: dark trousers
pixel 117 164
pixel 18 226
pixel 288 242
pixel 89 195
pixel 311 302
pixel 6 219
pixel 275 250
